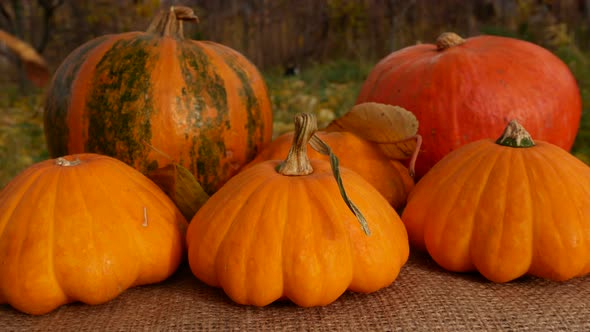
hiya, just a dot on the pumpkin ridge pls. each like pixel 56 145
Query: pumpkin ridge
pixel 199 76
pixel 531 208
pixel 489 164
pixel 227 192
pixel 320 190
pixel 300 188
pixel 560 171
pixel 251 102
pixel 265 189
pixel 128 65
pixel 460 181
pixel 74 292
pixel 33 188
pixel 76 115
pixel 240 66
pixel 135 248
pixel 230 191
pixel 11 190
pixel 244 247
pixel 498 240
pixel 57 104
pixel 452 195
pixel 52 237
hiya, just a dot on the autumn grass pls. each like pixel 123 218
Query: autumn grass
pixel 328 90
pixel 21 131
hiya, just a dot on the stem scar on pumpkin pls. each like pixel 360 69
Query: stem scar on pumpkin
pixel 297 162
pixel 62 161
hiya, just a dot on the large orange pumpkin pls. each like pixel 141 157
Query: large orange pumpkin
pixel 84 228
pixel 506 209
pixel 462 90
pixel 154 98
pixel 283 231
pixel 390 177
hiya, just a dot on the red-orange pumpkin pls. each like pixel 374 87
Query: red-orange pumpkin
pixel 152 98
pixel 462 90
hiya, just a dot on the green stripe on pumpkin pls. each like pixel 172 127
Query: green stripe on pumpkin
pixel 254 124
pixel 120 99
pixel 208 145
pixel 57 102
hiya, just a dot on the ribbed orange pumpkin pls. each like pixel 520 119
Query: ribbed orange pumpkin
pixel 84 228
pixel 390 177
pixel 462 90
pixel 505 209
pixel 154 98
pixel 266 236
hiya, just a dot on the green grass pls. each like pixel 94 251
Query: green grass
pixel 21 139
pixel 328 90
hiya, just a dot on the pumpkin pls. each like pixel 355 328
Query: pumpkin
pixel 282 230
pixel 463 90
pixel 84 228
pixel 155 98
pixel 508 208
pixel 390 177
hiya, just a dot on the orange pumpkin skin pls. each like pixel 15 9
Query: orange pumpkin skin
pixel 265 236
pixel 84 233
pixel 154 98
pixel 468 92
pixel 504 212
pixel 390 177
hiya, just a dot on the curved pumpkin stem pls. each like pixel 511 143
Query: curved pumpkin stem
pixel 169 23
pixel 297 162
pixel 447 40
pixel 515 136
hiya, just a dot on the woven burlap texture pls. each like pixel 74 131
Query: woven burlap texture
pixel 423 298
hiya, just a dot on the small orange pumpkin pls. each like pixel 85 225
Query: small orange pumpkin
pixel 84 228
pixel 506 209
pixel 281 230
pixel 390 177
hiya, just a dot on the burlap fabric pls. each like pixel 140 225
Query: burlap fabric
pixel 423 298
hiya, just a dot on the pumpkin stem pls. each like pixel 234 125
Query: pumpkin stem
pixel 297 162
pixel 447 40
pixel 515 136
pixel 61 161
pixel 169 23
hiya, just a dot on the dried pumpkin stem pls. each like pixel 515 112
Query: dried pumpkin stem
pixel 323 148
pixel 169 23
pixel 61 161
pixel 297 162
pixel 447 40
pixel 515 136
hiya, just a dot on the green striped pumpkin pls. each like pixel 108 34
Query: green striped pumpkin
pixel 154 98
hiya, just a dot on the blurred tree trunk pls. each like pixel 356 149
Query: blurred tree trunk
pixel 19 19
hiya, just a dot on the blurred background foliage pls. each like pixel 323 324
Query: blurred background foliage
pixel 314 54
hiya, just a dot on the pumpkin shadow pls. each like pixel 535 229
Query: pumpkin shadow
pixel 422 261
